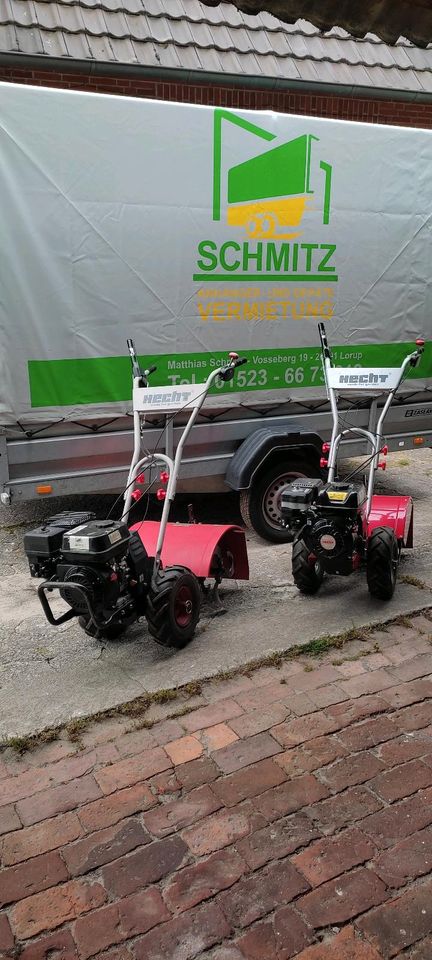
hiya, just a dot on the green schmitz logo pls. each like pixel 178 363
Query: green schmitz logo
pixel 268 198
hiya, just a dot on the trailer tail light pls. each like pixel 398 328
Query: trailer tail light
pixel 44 488
pixel 418 441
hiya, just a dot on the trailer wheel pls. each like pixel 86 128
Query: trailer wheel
pixel 260 505
pixel 173 606
pixel 382 562
pixel 307 571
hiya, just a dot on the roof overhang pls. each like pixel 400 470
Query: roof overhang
pixel 387 19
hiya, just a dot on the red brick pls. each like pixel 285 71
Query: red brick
pixel 166 730
pixel 211 715
pixel 222 689
pixel 301 729
pixel 367 683
pixel 325 696
pixel 290 796
pixel 404 694
pixel 351 805
pixel 353 710
pixel 255 896
pixel 352 770
pixel 402 781
pixel 165 784
pixel 250 724
pixel 24 785
pixel 331 856
pixel 185 936
pixel 367 734
pixel 27 878
pixel 248 782
pixel 46 911
pixel 222 829
pixel 48 803
pixel 277 840
pixel 396 925
pixel 184 750
pixel 8 819
pixel 6 937
pixel 144 866
pixel 135 742
pixel 400 820
pixel 291 933
pixel 312 679
pixel 266 694
pixel 423 950
pixel 81 763
pixel 118 921
pixel 414 717
pixel 57 946
pixel 242 753
pixel 259 943
pixel 201 881
pixel 120 952
pixel 341 899
pixel 214 738
pixel 310 756
pixel 399 751
pixel 39 838
pixel 197 772
pixel 413 669
pixel 228 952
pixel 137 768
pixel 168 817
pixel 344 946
pixel 406 861
pixel 108 810
pixel 104 846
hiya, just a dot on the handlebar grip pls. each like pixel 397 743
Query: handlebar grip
pixel 151 370
pixel 240 361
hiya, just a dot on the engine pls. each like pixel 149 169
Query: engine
pixel 99 567
pixel 327 516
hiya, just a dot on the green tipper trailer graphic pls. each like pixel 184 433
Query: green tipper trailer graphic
pixel 269 193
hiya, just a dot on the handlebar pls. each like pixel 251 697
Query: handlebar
pixel 416 356
pixel 324 345
pixel 227 373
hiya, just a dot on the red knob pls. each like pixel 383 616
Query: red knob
pixel 233 356
pixel 382 464
pixel 164 476
pixel 325 447
pixel 420 342
pixel 323 462
pixel 161 494
pixel 384 450
pixel 140 478
pixel 136 495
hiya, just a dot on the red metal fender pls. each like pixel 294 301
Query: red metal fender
pixel 394 512
pixel 204 548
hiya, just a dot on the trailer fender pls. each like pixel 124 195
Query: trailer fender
pixel 207 549
pixel 256 451
pixel 394 512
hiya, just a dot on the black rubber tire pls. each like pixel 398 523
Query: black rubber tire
pixel 164 607
pixel 308 575
pixel 258 511
pixel 111 632
pixel 382 560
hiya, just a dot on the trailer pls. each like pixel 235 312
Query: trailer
pixel 199 230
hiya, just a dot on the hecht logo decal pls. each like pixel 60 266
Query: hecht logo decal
pixel 268 198
pixel 363 379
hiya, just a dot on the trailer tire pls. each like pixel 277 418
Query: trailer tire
pixel 307 572
pixel 259 506
pixel 382 562
pixel 173 606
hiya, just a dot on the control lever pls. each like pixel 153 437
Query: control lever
pixel 227 373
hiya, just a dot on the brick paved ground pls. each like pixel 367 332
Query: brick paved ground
pixel 288 815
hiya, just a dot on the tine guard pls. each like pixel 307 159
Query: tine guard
pixel 207 549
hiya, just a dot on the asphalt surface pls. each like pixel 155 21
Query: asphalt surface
pixel 49 675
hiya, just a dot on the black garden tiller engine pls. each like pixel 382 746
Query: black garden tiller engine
pixel 339 525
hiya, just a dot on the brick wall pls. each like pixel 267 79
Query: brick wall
pixel 402 113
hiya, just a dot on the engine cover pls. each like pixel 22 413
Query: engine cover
pixel 332 544
pixel 96 542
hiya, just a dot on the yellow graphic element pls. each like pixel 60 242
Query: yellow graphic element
pixel 263 218
pixel 337 495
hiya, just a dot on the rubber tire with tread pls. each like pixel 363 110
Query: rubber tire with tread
pixel 251 501
pixel 381 563
pixel 160 613
pixel 307 576
pixel 111 632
